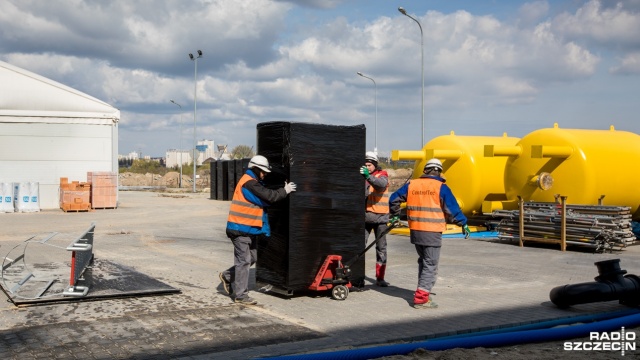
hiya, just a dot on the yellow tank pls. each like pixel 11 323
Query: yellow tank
pixel 472 177
pixel 590 167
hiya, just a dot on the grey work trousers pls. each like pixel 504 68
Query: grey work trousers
pixel 244 256
pixel 381 246
pixel 428 258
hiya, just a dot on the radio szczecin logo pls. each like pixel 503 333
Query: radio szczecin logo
pixel 614 341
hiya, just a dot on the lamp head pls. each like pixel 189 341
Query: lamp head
pixel 402 10
pixel 359 73
pixel 199 53
pixel 190 56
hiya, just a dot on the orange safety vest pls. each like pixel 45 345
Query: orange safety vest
pixel 378 201
pixel 243 212
pixel 424 211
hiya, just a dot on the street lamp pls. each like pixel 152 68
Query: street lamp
pixel 404 12
pixel 180 149
pixel 195 87
pixel 375 99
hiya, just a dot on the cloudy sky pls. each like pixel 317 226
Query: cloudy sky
pixel 489 66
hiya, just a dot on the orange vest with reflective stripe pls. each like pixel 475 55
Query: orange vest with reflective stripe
pixel 424 212
pixel 378 201
pixel 242 211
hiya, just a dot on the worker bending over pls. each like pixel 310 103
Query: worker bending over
pixel 246 222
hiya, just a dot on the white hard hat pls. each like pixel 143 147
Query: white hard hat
pixel 260 162
pixel 371 156
pixel 433 164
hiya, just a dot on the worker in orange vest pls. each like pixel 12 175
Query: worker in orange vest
pixel 430 203
pixel 376 191
pixel 246 222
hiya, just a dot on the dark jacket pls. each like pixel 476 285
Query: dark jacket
pixel 256 193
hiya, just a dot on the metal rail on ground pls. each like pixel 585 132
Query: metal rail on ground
pixel 81 257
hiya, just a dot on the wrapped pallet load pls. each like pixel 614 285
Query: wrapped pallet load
pixel 325 215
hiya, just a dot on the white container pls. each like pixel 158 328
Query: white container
pixel 6 198
pixel 26 197
pixel 34 196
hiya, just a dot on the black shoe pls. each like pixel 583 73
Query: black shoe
pixel 226 285
pixel 382 283
pixel 245 301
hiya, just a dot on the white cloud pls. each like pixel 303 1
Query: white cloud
pixel 630 64
pixel 607 26
pixel 320 4
pixel 532 12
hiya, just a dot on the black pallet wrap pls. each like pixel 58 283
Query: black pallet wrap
pixel 231 178
pixel 213 168
pixel 325 216
pixel 241 166
pixel 222 180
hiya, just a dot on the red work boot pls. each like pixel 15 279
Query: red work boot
pixel 421 300
pixel 380 270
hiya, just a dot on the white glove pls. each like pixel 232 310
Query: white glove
pixel 289 187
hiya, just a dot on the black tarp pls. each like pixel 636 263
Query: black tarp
pixel 214 180
pixel 326 214
pixel 231 178
pixel 241 168
pixel 222 179
pixel 225 175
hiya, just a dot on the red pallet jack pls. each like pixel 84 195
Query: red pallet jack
pixel 334 275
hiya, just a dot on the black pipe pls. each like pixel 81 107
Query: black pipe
pixel 610 284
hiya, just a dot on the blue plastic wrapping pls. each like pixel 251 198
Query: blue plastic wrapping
pixel 325 216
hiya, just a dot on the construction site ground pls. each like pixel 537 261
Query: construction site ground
pixel 179 238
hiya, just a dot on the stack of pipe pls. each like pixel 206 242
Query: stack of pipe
pixel 597 226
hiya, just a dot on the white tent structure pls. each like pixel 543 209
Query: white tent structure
pixel 49 130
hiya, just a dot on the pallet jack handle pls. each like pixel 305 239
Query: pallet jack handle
pixel 389 227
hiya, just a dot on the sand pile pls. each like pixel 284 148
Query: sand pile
pixel 170 179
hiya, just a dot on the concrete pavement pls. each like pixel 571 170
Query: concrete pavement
pixel 179 239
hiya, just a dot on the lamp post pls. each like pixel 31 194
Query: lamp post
pixel 180 149
pixel 375 100
pixel 195 90
pixel 404 12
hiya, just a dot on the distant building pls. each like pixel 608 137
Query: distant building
pixel 174 157
pixel 50 131
pixel 206 150
pixel 130 156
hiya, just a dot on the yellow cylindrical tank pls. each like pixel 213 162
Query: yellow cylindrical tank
pixel 472 177
pixel 587 166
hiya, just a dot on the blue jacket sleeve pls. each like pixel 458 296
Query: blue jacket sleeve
pixel 450 207
pixel 398 198
pixel 252 198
